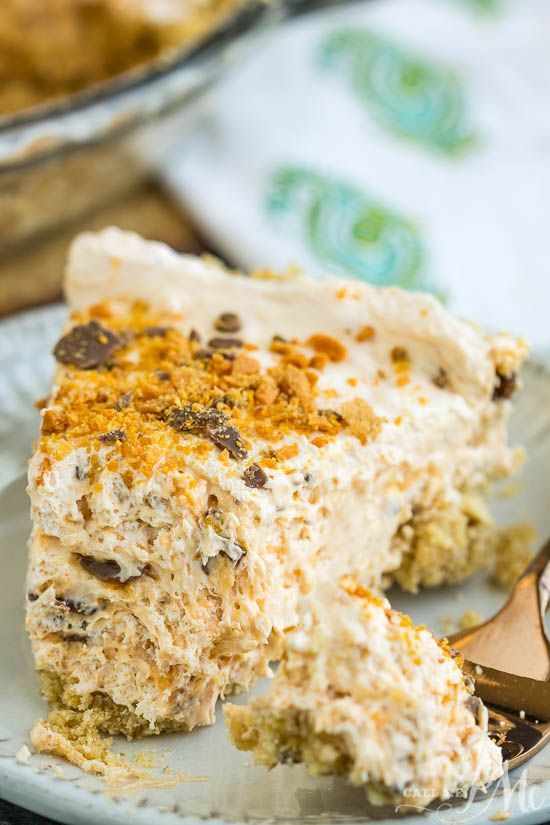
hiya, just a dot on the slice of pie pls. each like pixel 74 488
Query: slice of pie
pixel 363 693
pixel 215 443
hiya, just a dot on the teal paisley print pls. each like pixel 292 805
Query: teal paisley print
pixel 406 94
pixel 348 232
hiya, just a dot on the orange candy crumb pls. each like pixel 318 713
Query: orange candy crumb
pixel 328 345
pixel 366 333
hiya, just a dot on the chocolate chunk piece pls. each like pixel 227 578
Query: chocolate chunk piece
pixel 112 436
pixel 188 420
pixel 184 420
pixel 441 380
pixel 505 386
pixel 228 438
pixel 225 343
pixel 78 606
pixel 207 354
pixel 333 416
pixel 81 471
pixel 194 336
pixel 399 354
pixel 32 597
pixel 254 476
pixel 124 401
pixel 227 322
pixel 74 637
pixel 229 401
pixel 106 571
pixel 211 417
pixel 211 423
pixel 86 346
pixel 157 332
pixel 162 375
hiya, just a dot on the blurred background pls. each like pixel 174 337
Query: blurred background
pixel 396 141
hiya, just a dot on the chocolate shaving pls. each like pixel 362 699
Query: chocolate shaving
pixel 112 436
pixel 228 438
pixel 254 476
pixel 86 346
pixel 227 322
pixel 225 343
pixel 194 336
pixel 505 386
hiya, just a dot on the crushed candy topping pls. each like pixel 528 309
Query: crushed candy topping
pixel 328 346
pixel 135 382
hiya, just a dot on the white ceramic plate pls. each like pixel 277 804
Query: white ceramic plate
pixel 233 789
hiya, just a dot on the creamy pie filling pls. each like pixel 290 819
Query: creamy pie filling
pixel 215 444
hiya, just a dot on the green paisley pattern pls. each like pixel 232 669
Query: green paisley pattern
pixel 483 6
pixel 406 94
pixel 348 232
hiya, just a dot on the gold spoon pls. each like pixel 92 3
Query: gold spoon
pixel 508 657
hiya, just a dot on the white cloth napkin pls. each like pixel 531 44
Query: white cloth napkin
pixel 396 141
